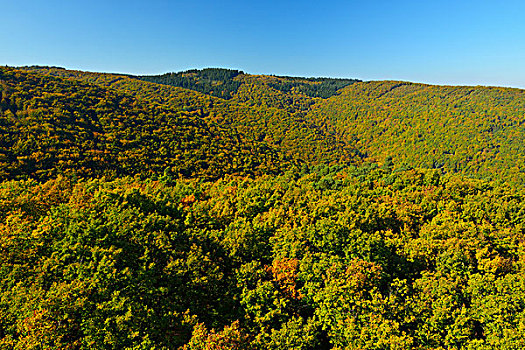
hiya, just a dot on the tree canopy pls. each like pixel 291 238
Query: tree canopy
pixel 284 213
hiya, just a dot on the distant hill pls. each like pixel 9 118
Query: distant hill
pixel 212 81
pixel 475 131
pixel 225 83
pixel 54 126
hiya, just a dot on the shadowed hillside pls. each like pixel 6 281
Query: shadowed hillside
pixel 224 83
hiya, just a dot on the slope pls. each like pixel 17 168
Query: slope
pixel 475 131
pixel 224 83
pixel 257 111
pixel 53 126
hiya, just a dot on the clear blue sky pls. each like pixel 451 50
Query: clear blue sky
pixel 443 42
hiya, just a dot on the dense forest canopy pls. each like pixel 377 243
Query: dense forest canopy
pixel 213 81
pixel 55 126
pixel 338 258
pixel 226 82
pixel 214 209
pixel 475 131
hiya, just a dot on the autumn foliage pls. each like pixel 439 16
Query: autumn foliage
pixel 137 215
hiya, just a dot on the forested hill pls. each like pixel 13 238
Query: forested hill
pixel 54 126
pixel 225 82
pixel 250 212
pixel 56 121
pixel 476 131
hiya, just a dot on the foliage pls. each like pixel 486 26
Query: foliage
pixel 313 87
pixel 102 124
pixel 374 260
pixel 54 126
pixel 213 81
pixel 136 215
pixel 475 131
pixel 225 83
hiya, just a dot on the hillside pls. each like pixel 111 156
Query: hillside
pixel 214 209
pixel 258 112
pixel 54 126
pixel 225 82
pixel 474 131
pixel 100 124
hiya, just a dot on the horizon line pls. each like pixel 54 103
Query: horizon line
pixel 270 74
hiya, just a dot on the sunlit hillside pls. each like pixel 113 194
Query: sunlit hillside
pixel 213 209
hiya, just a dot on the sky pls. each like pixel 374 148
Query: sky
pixel 437 42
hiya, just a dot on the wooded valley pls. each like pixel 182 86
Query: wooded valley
pixel 214 209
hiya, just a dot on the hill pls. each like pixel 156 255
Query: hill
pixel 225 82
pixel 100 124
pixel 257 112
pixel 54 126
pixel 258 212
pixel 474 131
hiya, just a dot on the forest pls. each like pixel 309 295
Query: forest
pixel 226 82
pixel 214 209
